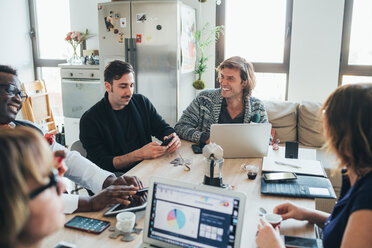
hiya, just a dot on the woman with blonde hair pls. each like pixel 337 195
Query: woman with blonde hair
pixel 348 129
pixel 30 194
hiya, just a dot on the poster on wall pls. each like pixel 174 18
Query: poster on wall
pixel 188 28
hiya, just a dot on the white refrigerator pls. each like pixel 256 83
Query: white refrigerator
pixel 157 38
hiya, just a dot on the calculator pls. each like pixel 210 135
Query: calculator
pixel 87 224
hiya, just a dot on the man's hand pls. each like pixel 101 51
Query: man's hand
pixel 112 195
pixel 174 144
pixel 151 150
pixel 128 181
pixel 123 180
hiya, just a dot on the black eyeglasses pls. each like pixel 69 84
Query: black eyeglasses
pixel 52 182
pixel 12 91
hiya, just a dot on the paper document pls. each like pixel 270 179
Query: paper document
pixel 300 166
pixel 318 191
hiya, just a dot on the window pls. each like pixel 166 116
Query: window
pixel 50 22
pixel 259 31
pixel 356 53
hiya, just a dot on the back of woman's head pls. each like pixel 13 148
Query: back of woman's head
pixel 348 124
pixel 24 155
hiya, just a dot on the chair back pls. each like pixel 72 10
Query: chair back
pixel 78 146
pixel 37 108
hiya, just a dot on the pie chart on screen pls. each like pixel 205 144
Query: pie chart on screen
pixel 176 219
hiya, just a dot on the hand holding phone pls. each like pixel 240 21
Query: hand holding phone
pixel 167 141
pixel 142 191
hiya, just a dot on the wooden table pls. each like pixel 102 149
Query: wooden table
pixel 232 174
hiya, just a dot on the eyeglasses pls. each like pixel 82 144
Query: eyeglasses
pixel 52 182
pixel 13 91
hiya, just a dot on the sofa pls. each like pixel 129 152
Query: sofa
pixel 302 122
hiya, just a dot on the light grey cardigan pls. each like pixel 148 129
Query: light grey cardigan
pixel 205 110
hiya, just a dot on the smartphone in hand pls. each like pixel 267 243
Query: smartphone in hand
pixel 142 191
pixel 167 141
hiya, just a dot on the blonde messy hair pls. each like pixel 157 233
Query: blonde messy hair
pixel 23 154
pixel 348 126
pixel 246 72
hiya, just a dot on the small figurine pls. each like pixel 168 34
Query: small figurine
pixel 276 145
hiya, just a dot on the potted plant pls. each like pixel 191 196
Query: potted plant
pixel 204 38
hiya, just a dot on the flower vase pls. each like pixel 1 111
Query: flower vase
pixel 75 59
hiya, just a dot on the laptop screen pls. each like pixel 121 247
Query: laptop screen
pixel 190 218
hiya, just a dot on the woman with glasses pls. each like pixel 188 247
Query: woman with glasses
pixel 347 123
pixel 31 206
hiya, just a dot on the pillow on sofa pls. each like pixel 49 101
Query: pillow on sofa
pixel 310 126
pixel 283 118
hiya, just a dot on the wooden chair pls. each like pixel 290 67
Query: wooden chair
pixel 37 107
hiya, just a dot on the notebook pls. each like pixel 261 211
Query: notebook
pixel 181 214
pixel 302 187
pixel 298 166
pixel 242 140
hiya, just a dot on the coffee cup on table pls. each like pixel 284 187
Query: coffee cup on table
pixel 125 221
pixel 273 219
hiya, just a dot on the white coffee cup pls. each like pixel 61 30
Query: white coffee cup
pixel 125 221
pixel 273 219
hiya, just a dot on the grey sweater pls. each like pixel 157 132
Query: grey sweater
pixel 205 110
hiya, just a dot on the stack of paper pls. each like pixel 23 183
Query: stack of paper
pixel 298 166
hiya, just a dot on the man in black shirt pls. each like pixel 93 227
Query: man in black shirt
pixel 116 132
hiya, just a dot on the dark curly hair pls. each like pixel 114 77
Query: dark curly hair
pixel 8 69
pixel 116 69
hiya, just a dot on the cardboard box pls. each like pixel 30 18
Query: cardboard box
pixel 90 52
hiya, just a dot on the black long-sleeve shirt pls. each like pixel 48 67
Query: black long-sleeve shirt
pixel 105 133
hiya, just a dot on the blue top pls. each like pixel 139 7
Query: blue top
pixel 358 197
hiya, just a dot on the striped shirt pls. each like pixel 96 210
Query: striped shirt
pixel 205 110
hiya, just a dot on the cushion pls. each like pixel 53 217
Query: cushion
pixel 310 126
pixel 283 118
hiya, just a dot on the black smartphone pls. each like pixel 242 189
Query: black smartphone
pixel 142 191
pixel 87 224
pixel 167 141
pixel 279 176
pixel 291 149
pixel 291 241
pixel 197 148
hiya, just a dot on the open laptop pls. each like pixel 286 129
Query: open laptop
pixel 181 214
pixel 249 140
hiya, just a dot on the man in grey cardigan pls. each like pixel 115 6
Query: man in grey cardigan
pixel 231 103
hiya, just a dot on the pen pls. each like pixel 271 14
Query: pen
pixel 285 164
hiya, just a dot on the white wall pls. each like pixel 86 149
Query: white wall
pixel 207 13
pixel 315 45
pixel 84 14
pixel 15 42
pixel 315 49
